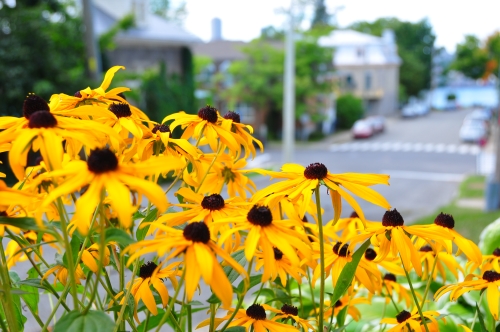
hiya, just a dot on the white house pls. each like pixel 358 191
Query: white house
pixel 368 67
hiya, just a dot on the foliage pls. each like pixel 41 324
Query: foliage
pixel 165 9
pixel 41 50
pixel 415 43
pixel 349 109
pixel 321 16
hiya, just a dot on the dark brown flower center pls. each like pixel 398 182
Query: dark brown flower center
pixel 197 232
pixel 33 104
pixel 232 116
pixel 496 252
pixel 42 119
pixel 315 171
pixel 392 218
pixel 78 94
pixel 213 202
pixel 102 161
pixel 426 248
pixel 354 214
pixel 289 310
pixel 338 304
pixel 445 220
pixel 3 214
pixel 121 110
pixel 278 254
pixel 341 250
pixel 208 113
pixel 256 311
pixel 370 254
pixel 162 128
pixel 390 276
pixel 146 270
pixel 403 316
pixel 491 276
pixel 260 216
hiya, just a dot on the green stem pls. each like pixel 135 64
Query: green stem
pixel 8 302
pixel 69 252
pixel 127 295
pixel 189 318
pixel 172 301
pixel 321 261
pixel 258 293
pixel 212 317
pixel 146 322
pixel 477 311
pixel 63 295
pixel 391 297
pixel 431 276
pixel 209 168
pixel 300 300
pixel 414 296
pixel 309 280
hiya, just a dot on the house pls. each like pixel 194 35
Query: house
pixel 368 67
pixel 152 40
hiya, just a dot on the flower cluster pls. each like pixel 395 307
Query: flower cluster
pixel 89 167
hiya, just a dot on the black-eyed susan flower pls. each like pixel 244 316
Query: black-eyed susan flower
pixel 288 311
pixel 243 134
pixel 390 263
pixel 253 317
pixel 301 181
pixel 103 171
pixel 391 235
pixel 199 257
pixel 489 281
pixel 491 262
pixel 445 223
pixel 337 255
pixel 90 257
pixel 151 274
pixel 9 199
pixel 282 268
pixel 443 260
pixel 349 301
pixel 208 124
pixel 267 233
pixel 61 274
pixel 199 207
pixel 406 321
pixel 393 287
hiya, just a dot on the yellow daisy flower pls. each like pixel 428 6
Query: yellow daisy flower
pixel 444 260
pixel 9 199
pixel 199 257
pixel 281 268
pixel 90 257
pixel 348 301
pixel 61 273
pixel 390 235
pixel 490 262
pixel 103 171
pixel 207 123
pixel 412 321
pixel 254 317
pixel 290 312
pixel 392 286
pixel 490 281
pixel 151 274
pixel 301 181
pixel 444 223
pixel 244 134
pixel 267 233
pixel 390 264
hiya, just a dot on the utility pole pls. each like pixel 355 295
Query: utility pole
pixel 289 90
pixel 493 184
pixel 93 65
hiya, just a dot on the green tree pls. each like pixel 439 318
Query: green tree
pixel 349 109
pixel 41 51
pixel 167 10
pixel 471 58
pixel 415 43
pixel 258 80
pixel 321 16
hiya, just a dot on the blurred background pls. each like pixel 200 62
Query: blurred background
pixel 409 88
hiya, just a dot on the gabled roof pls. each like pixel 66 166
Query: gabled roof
pixel 349 38
pixel 156 31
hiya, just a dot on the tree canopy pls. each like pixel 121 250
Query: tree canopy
pixel 415 43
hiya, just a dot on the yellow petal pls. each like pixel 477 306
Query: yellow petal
pixel 492 297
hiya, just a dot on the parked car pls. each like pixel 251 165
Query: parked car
pixel 377 122
pixel 409 111
pixel 362 129
pixel 472 131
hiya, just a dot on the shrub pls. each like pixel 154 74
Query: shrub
pixel 349 109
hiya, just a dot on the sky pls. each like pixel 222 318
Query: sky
pixel 451 19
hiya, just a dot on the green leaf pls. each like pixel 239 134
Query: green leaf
pixel 347 274
pixel 23 223
pixel 18 309
pixel 341 316
pixel 236 329
pixel 37 283
pixel 119 236
pixel 75 248
pixel 141 232
pixel 490 237
pixel 154 321
pixel 481 319
pixel 254 280
pixel 92 321
pixel 31 298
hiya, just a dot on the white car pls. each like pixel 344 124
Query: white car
pixel 362 129
pixel 377 122
pixel 472 131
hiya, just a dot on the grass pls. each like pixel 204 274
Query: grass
pixel 469 222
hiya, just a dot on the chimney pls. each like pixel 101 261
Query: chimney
pixel 216 29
